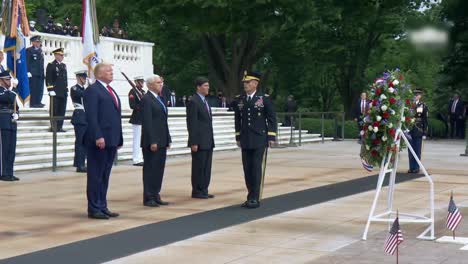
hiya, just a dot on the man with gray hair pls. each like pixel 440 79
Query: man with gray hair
pixel 155 141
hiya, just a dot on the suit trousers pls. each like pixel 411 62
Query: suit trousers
pixel 201 171
pixel 136 154
pixel 59 108
pixel 153 172
pixel 7 151
pixel 100 163
pixel 252 161
pixel 37 89
pixel 416 143
pixel 80 148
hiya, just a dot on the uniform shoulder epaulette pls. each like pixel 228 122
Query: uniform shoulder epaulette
pixel 266 95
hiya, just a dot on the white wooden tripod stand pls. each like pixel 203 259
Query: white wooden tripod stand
pixel 404 217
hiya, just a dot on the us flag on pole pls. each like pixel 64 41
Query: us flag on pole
pixel 394 239
pixel 454 216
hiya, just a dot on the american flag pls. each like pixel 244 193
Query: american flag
pixel 454 216
pixel 366 165
pixel 394 239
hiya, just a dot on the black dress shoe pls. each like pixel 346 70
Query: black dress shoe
pixel 98 215
pixel 7 178
pixel 138 164
pixel 410 171
pixel 81 169
pixel 14 178
pixel 210 196
pixel 161 202
pixel 200 196
pixel 109 213
pixel 61 130
pixel 245 204
pixel 252 204
pixel 151 203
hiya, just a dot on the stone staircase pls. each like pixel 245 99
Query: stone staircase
pixel 34 146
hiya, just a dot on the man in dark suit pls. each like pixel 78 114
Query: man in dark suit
pixel 456 111
pixel 256 126
pixel 134 99
pixel 362 106
pixel 35 63
pixel 57 83
pixel 8 117
pixel 79 120
pixel 200 140
pixel 155 141
pixel 103 138
pixel 165 93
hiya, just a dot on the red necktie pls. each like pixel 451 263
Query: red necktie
pixel 113 96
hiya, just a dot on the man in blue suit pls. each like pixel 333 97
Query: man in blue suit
pixel 103 138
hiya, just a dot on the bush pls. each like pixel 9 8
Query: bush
pixel 314 126
pixel 436 128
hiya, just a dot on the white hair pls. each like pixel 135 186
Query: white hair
pixel 152 79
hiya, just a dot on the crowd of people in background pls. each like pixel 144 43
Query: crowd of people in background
pixel 115 31
pixel 68 29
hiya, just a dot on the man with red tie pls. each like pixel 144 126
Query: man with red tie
pixel 361 109
pixel 103 137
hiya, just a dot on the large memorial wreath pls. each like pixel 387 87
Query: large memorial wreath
pixel 390 100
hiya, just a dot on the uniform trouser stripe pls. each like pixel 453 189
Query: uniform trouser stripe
pixel 262 181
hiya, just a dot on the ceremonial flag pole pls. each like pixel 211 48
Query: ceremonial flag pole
pixel 15 26
pixel 454 216
pixel 394 239
pixel 398 245
pixel 90 35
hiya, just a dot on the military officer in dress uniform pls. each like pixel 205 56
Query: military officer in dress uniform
pixel 255 123
pixel 56 79
pixel 134 100
pixel 419 130
pixel 79 120
pixel 35 63
pixel 8 117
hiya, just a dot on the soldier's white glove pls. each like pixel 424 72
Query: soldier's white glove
pixel 14 82
pixel 29 75
pixel 14 116
pixel 424 137
pixel 51 93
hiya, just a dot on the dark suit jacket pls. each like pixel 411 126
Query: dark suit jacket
pixel 166 95
pixel 357 109
pixel 154 127
pixel 459 109
pixel 103 116
pixel 199 124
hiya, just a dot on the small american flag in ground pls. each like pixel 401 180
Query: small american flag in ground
pixel 367 166
pixel 454 216
pixel 394 239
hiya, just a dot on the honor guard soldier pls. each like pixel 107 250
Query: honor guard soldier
pixel 134 100
pixel 35 63
pixel 79 120
pixel 418 132
pixel 56 78
pixel 255 123
pixel 8 118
